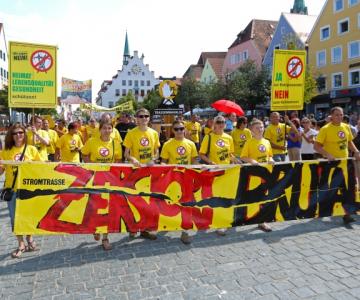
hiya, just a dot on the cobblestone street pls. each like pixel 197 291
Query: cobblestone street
pixel 317 259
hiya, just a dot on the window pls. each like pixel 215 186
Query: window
pixel 1 72
pixel 117 92
pixel 321 83
pixel 343 26
pixel 123 92
pixel 336 55
pixel 136 83
pixel 277 46
pixel 142 93
pixel 123 82
pixel 321 58
pixel 130 83
pixel 111 104
pixel 353 2
pixel 354 49
pixel 129 73
pixel 245 55
pixel 142 83
pixel 324 33
pixel 4 56
pixel 354 77
pixel 338 5
pixel 148 82
pixel 337 80
pixel 143 73
pixel 136 92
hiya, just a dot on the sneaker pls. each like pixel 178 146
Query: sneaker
pixel 132 235
pixel 221 232
pixel 264 227
pixel 185 238
pixel 148 235
pixel 347 219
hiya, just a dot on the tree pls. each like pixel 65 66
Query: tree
pixel 250 85
pixel 4 98
pixel 152 101
pixel 192 94
pixel 311 86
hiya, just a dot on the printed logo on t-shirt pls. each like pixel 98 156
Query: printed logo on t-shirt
pixel 220 143
pixel 72 142
pixel 104 152
pixel 278 130
pixel 341 134
pixel 262 148
pixel 181 150
pixel 144 142
pixel 243 136
pixel 17 157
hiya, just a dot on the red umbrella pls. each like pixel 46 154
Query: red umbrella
pixel 228 106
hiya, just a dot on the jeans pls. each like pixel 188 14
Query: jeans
pixel 12 206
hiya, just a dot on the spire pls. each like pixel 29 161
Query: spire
pixel 126 50
pixel 299 7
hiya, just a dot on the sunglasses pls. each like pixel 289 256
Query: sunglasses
pixel 220 122
pixel 143 116
pixel 179 129
pixel 18 133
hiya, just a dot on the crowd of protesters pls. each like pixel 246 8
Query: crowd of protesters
pixel 221 140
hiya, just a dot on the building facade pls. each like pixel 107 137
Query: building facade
pixel 135 77
pixel 334 54
pixel 251 43
pixel 212 71
pixel 291 32
pixel 4 72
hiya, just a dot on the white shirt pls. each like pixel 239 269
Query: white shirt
pixel 308 148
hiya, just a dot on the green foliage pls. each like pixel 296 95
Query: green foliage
pixel 152 101
pixel 127 98
pixel 192 94
pixel 249 85
pixel 4 98
pixel 311 86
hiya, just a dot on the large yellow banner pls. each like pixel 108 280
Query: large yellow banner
pixel 56 198
pixel 288 80
pixel 32 75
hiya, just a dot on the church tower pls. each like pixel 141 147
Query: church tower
pixel 299 8
pixel 126 55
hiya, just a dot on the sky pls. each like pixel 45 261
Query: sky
pixel 90 34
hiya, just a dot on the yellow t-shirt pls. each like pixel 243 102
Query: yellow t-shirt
pixel 67 145
pixel 335 139
pixel 14 154
pixel 260 150
pixel 276 135
pixel 179 152
pixel 102 152
pixel 64 130
pixel 240 136
pixel 142 144
pixel 42 148
pixel 115 135
pixel 207 130
pixel 194 130
pixel 221 146
pixel 53 136
pixel 91 130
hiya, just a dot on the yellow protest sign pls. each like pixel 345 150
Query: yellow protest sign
pixel 288 80
pixel 32 75
pixel 56 198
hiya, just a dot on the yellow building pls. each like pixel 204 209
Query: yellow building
pixel 334 55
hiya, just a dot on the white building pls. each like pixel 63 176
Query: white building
pixel 135 76
pixel 4 71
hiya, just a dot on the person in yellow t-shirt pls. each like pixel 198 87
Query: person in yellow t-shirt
pixel 240 135
pixel 221 151
pixel 91 128
pixel 193 130
pixel 258 150
pixel 276 133
pixel 208 127
pixel 179 151
pixel 102 150
pixel 69 146
pixel 217 148
pixel 334 141
pixel 82 131
pixel 53 138
pixel 60 128
pixel 142 148
pixel 115 135
pixel 15 143
pixel 38 137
